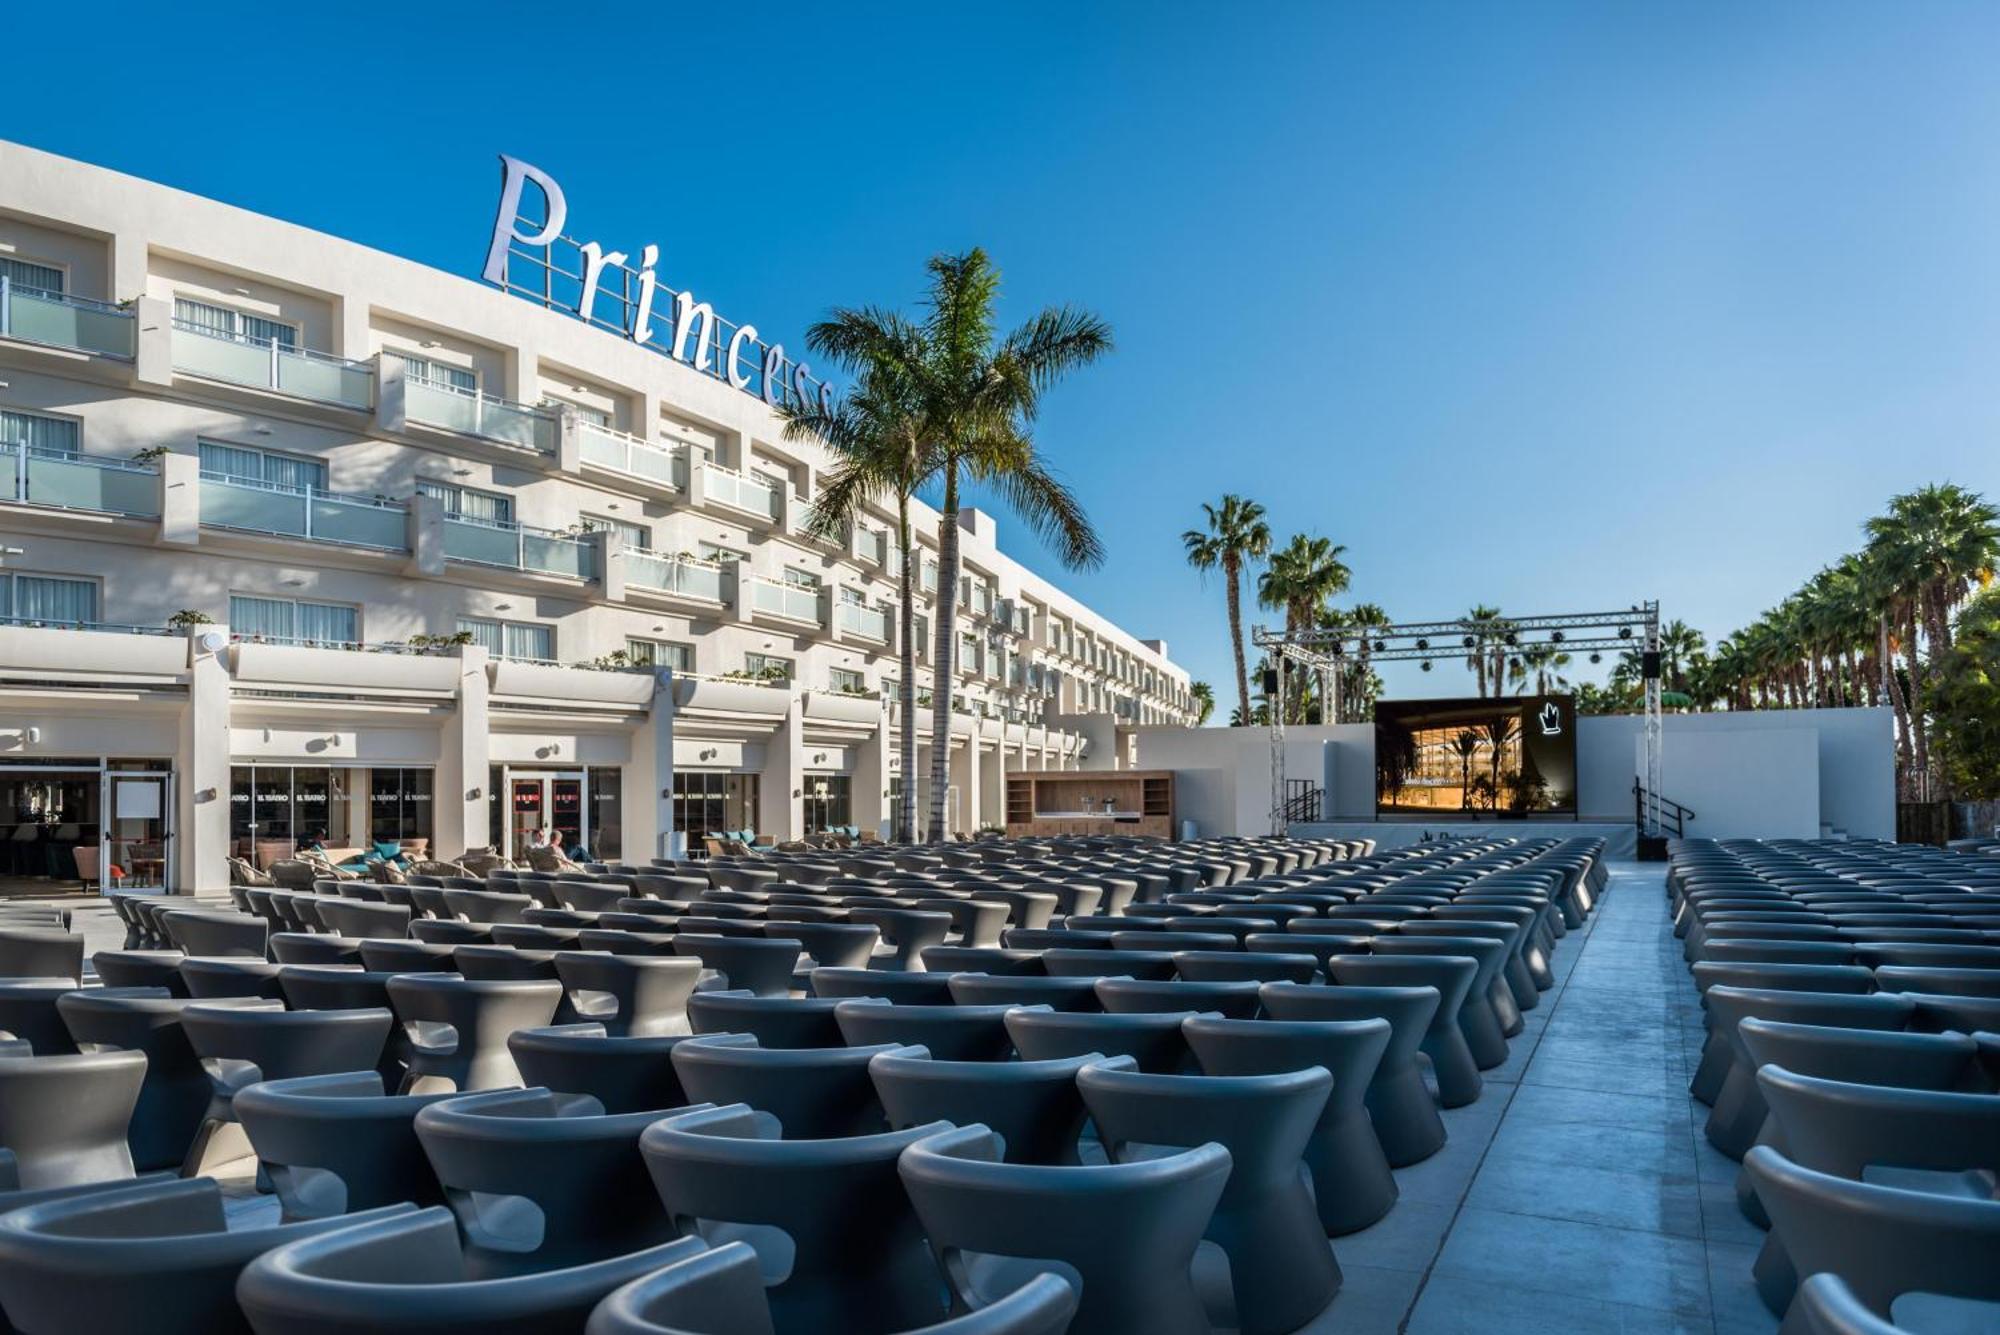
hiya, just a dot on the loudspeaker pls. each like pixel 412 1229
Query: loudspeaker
pixel 1649 665
pixel 1270 681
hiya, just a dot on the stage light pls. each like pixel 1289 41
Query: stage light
pixel 1556 637
pixel 1423 644
pixel 1596 657
pixel 1381 645
pixel 1468 642
pixel 1512 638
pixel 1427 665
pixel 1339 649
pixel 1624 632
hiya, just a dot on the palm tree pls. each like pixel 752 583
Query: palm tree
pixel 1236 534
pixel 980 395
pixel 876 433
pixel 1680 645
pixel 1465 745
pixel 1364 616
pixel 1543 662
pixel 1300 578
pixel 1204 701
pixel 1482 624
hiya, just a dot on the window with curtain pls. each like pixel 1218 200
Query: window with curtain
pixel 438 373
pixel 708 551
pixel 511 639
pixel 293 619
pixel 238 463
pixel 660 653
pixel 594 416
pixel 44 435
pixel 28 274
pixel 225 322
pixel 463 503
pixel 34 598
pixel 636 536
pixel 846 679
pixel 800 579
pixel 760 665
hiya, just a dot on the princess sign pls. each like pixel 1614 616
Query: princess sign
pixel 530 255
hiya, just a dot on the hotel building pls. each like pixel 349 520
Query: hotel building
pixel 302 541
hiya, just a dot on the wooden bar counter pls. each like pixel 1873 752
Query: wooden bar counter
pixel 1074 802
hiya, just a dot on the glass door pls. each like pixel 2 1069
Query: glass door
pixel 545 800
pixel 527 811
pixel 138 831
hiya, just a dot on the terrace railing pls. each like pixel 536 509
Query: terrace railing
pixel 250 505
pixel 795 602
pixel 748 492
pixel 268 364
pixel 872 622
pixel 684 575
pixel 633 456
pixel 35 316
pixel 510 546
pixel 66 481
pixel 473 413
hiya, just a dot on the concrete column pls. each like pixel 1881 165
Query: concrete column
pixel 180 500
pixel 569 441
pixel 426 536
pixel 648 795
pixel 459 818
pixel 201 798
pixel 391 410
pixel 350 329
pixel 128 266
pixel 610 564
pixel 962 769
pixel 521 372
pixel 780 801
pixel 871 776
pixel 993 785
pixel 154 362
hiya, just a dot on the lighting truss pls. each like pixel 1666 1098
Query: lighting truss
pixel 1329 649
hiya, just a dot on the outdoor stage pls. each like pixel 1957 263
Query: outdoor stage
pixel 1621 839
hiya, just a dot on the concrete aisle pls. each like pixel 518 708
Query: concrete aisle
pixel 1578 1193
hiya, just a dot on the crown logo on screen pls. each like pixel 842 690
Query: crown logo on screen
pixel 1551 719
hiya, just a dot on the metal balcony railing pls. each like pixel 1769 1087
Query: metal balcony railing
pixel 684 575
pixel 250 505
pixel 473 413
pixel 509 546
pixel 63 480
pixel 664 465
pixel 35 316
pixel 299 372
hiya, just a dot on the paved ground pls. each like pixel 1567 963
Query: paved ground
pixel 1577 1194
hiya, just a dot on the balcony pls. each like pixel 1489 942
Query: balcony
pixel 98 327
pixel 518 547
pixel 250 506
pixel 871 623
pixel 872 545
pixel 686 576
pixel 748 492
pixel 662 465
pixel 792 602
pixel 62 481
pixel 302 374
pixel 471 413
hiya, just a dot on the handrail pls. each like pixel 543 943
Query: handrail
pixel 1667 808
pixel 61 455
pixel 264 344
pixel 55 623
pixel 309 492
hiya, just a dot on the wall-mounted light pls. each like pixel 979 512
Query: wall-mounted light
pixel 472 794
pixel 34 734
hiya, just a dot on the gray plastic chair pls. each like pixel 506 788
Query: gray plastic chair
pixel 775 1022
pixel 1404 1114
pixel 948 1033
pixel 1156 965
pixel 141 968
pixel 1151 1039
pixel 1352 1184
pixel 152 1257
pixel 1138 996
pixel 906 932
pixel 407 956
pixel 629 994
pixel 36 953
pixel 65 1116
pixel 1032 1107
pixel 1128 1230
pixel 755 964
pixel 1478 1019
pixel 28 1012
pixel 486 906
pixel 623 1074
pixel 1216 966
pixel 1881 1241
pixel 359 918
pixel 406 1275
pixel 1444 1040
pixel 459 1027
pixel 845 945
pixel 1738 1113
pixel 198 932
pixel 210 978
pixel 721 1292
pixel 314 948
pixel 1827 1306
pixel 917 989
pixel 815 1093
pixel 542 1180
pixel 835 1235
pixel 1012 989
pixel 334 1144
pixel 1282 1272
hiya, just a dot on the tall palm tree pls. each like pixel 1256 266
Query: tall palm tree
pixel 1204 701
pixel 980 394
pixel 877 435
pixel 1465 745
pixel 1482 626
pixel 1361 697
pixel 1300 579
pixel 1236 535
pixel 1680 645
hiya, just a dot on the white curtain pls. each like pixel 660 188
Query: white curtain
pixel 530 641
pixel 282 470
pixel 485 634
pixel 45 435
pixel 41 598
pixel 328 623
pixel 35 277
pixel 460 503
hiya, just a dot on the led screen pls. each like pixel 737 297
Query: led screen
pixel 1477 759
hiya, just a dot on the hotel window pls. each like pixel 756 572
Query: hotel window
pixel 399 804
pixel 40 599
pixel 707 802
pixel 291 619
pixel 236 463
pixel 637 537
pixel 43 435
pixel 709 551
pixel 438 374
pixel 846 681
pixel 26 273
pixel 800 579
pixel 594 416
pixel 522 640
pixel 829 802
pixel 484 507
pixel 660 653
pixel 768 667
pixel 223 322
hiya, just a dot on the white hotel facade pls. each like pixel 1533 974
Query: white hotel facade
pixel 328 452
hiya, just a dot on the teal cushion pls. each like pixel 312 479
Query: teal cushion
pixel 388 849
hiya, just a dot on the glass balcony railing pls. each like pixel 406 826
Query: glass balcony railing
pixel 871 622
pixel 518 547
pixel 67 481
pixel 602 447
pixel 300 373
pixel 252 506
pixel 471 413
pixel 794 602
pixel 683 575
pixel 741 491
pixel 35 316
pixel 873 545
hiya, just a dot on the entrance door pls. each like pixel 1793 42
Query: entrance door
pixel 538 801
pixel 137 832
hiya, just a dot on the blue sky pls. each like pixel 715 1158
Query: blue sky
pixel 1554 307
